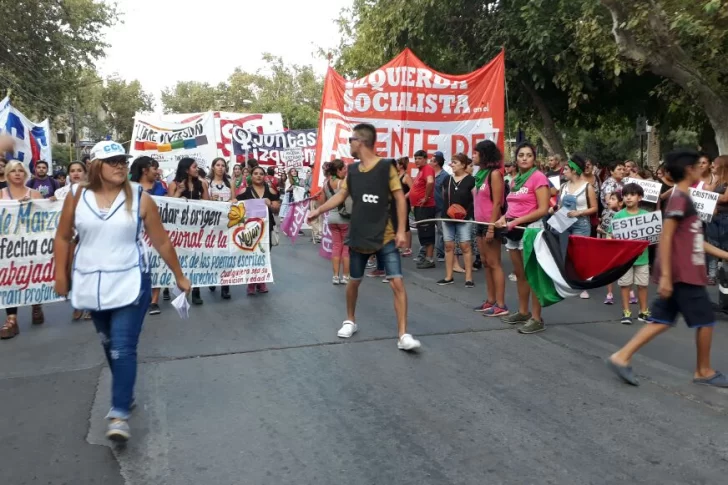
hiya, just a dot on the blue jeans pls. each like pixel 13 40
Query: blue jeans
pixel 717 235
pixel 582 227
pixel 387 256
pixel 119 331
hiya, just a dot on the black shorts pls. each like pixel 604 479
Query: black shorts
pixel 691 301
pixel 480 231
pixel 425 232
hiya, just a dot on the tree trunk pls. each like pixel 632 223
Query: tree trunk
pixel 550 134
pixel 669 60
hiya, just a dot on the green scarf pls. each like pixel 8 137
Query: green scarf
pixel 521 179
pixel 480 178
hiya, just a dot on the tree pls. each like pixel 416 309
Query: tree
pixel 120 101
pixel 683 41
pixel 192 97
pixel 45 45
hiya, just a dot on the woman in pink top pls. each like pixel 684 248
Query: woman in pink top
pixel 17 175
pixel 489 195
pixel 528 204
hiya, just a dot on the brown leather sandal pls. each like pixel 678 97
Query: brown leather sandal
pixel 77 314
pixel 10 329
pixel 38 317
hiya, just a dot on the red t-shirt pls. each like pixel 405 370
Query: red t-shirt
pixel 419 187
pixel 688 253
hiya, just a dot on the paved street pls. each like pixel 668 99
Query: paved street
pixel 261 391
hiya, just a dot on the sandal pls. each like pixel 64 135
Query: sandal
pixel 10 329
pixel 86 315
pixel 77 314
pixel 38 317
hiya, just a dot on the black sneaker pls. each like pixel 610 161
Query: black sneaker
pixel 212 289
pixel 225 293
pixel 154 309
pixel 644 317
pixel 469 284
pixel 626 317
pixel 196 299
pixel 165 294
pixel 478 264
pixel 444 282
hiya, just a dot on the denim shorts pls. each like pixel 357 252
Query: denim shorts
pixel 460 231
pixel 387 255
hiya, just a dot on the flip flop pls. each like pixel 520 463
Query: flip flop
pixel 623 372
pixel 716 380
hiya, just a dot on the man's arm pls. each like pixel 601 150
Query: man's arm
pixel 429 187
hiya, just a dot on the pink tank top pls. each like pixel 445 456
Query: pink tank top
pixel 5 194
pixel 483 204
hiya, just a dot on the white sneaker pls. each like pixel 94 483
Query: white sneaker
pixel 335 280
pixel 348 329
pixel 344 280
pixel 584 295
pixel 408 342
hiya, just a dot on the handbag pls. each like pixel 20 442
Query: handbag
pixel 74 241
pixel 455 211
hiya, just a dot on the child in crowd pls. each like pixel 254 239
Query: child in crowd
pixel 639 273
pixel 614 205
pixel 681 277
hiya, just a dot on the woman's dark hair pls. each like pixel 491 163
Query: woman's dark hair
pixel 137 168
pixel 579 161
pixel 183 167
pixel 334 167
pixel 465 160
pixel 617 194
pixel 403 163
pixel 489 153
pixel 80 164
pixel 613 166
pixel 258 168
pixel 225 176
pixel 523 145
pixel 271 171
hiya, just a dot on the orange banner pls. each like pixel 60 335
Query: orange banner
pixel 413 108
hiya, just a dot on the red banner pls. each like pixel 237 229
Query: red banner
pixel 413 108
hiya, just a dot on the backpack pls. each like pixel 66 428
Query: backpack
pixel 345 208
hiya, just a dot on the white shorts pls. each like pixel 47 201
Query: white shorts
pixel 637 275
pixel 518 245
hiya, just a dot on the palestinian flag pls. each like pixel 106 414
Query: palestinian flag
pixel 557 268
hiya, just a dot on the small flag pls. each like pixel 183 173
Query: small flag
pixel 586 264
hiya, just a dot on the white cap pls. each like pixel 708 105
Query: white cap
pixel 108 149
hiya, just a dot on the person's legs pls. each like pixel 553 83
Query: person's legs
pixel 426 232
pixel 524 291
pixel 337 244
pixel 358 266
pixel 497 279
pixel 649 331
pixel 439 242
pixel 703 343
pixel 449 238
pixel 155 295
pixel 464 232
pixel 624 291
pixel 389 254
pixel 345 249
pixel 102 323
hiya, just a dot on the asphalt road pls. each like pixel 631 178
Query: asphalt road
pixel 260 390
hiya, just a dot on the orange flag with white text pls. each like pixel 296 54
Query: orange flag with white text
pixel 413 108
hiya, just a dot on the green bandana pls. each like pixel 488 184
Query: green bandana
pixel 521 179
pixel 480 178
pixel 575 167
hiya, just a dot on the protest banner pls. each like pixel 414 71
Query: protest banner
pixel 169 142
pixel 643 227
pixel 225 121
pixel 269 148
pixel 652 189
pixel 294 219
pixel 293 158
pixel 217 244
pixel 413 108
pixel 32 140
pixel 705 203
pixel 326 249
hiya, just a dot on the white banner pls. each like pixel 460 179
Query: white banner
pixel 169 142
pixel 652 189
pixel 642 227
pixel 217 244
pixel 705 203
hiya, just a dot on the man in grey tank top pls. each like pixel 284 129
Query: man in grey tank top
pixel 373 184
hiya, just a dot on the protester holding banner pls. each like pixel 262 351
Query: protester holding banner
pixel 372 183
pixel 258 189
pixel 489 198
pixel 717 228
pixel 220 187
pixel 338 222
pixel 16 176
pixel 406 181
pixel 423 202
pixel 145 172
pixel 116 288
pixel 189 185
pixel 528 204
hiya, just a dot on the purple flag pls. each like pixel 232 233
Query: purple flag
pixel 326 249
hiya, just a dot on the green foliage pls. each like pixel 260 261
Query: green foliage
pixel 292 90
pixel 45 45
